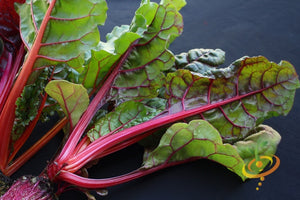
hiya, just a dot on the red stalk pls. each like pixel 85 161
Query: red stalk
pixel 4 85
pixel 84 142
pixel 21 141
pixel 97 102
pixel 101 144
pixel 125 144
pixel 108 182
pixel 20 161
pixel 104 183
pixel 105 144
pixel 8 113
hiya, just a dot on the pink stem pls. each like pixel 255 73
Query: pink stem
pixel 98 101
pixel 104 183
pixel 101 144
pixel 90 183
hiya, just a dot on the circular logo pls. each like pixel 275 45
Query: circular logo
pixel 258 165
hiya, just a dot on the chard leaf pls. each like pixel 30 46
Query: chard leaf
pixel 237 98
pixel 141 75
pixel 199 139
pixel 223 101
pixel 199 60
pixel 72 98
pixel 151 31
pixel 63 40
pixel 127 114
pixel 69 32
pixel 178 3
pixel 29 103
pixel 106 54
pixel 195 140
pixel 121 38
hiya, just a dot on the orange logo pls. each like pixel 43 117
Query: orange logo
pixel 258 164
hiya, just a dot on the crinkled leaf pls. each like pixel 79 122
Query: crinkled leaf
pixel 102 60
pixel 238 97
pixel 106 55
pixel 199 60
pixel 127 114
pixel 199 139
pixel 154 27
pixel 70 31
pixel 141 75
pixel 29 103
pixel 72 98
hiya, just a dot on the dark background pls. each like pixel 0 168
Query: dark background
pixel 239 27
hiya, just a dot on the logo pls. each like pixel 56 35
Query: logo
pixel 255 168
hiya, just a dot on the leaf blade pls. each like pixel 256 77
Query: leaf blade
pixel 68 33
pixel 127 114
pixel 185 141
pixel 141 75
pixel 200 140
pixel 73 98
pixel 236 107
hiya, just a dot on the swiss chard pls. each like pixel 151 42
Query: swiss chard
pixel 194 108
pixel 47 31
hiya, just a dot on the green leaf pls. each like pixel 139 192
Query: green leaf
pixel 32 14
pixel 237 98
pixel 195 140
pixel 28 104
pixel 141 75
pixel 66 33
pixel 200 60
pixel 72 98
pixel 103 58
pixel 70 32
pixel 177 3
pixel 127 114
pixel 146 39
pixel 200 140
pixel 107 54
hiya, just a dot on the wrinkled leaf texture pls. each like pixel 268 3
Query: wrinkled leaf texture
pixel 28 104
pixel 141 75
pixel 153 28
pixel 235 100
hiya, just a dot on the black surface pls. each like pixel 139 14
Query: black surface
pixel 254 27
